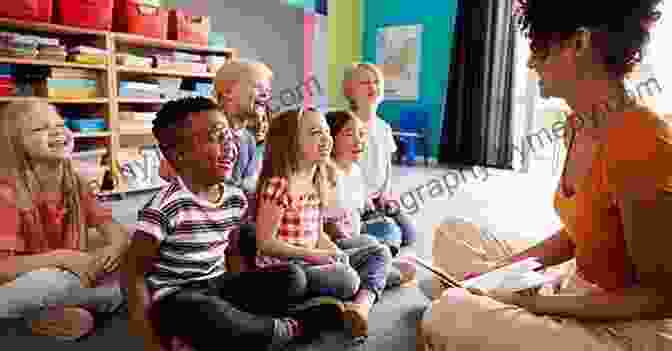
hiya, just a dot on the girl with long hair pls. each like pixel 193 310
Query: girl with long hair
pixel 49 274
pixel 296 185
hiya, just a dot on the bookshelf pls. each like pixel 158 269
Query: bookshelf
pixel 119 140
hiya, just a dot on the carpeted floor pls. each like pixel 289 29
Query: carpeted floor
pixel 513 205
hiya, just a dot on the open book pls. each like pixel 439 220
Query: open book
pixel 517 277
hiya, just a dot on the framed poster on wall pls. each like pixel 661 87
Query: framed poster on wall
pixel 398 54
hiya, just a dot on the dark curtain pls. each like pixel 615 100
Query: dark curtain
pixel 477 127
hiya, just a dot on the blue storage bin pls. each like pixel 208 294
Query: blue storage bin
pixel 408 147
pixel 87 124
pixel 72 83
pixel 413 119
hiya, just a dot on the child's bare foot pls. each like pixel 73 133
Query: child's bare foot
pixel 66 323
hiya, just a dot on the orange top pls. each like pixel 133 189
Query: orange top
pixel 43 228
pixel 636 155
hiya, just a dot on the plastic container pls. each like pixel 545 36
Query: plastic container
pixel 87 124
pixel 6 69
pixel 93 14
pixel 408 154
pixel 187 28
pixel 72 88
pixel 28 10
pixel 143 17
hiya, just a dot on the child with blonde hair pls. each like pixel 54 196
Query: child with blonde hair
pixel 363 87
pixel 50 272
pixel 243 94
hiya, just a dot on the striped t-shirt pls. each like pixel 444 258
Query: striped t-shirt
pixel 194 235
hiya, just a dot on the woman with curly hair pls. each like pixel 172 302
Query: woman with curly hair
pixel 614 195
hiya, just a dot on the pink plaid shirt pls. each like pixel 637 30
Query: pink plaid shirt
pixel 301 222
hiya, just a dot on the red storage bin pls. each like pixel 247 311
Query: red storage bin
pixel 187 28
pixel 27 10
pixel 93 14
pixel 141 17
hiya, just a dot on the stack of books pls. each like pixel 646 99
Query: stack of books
pixel 141 90
pixel 72 83
pixel 17 46
pixel 52 52
pixel 134 60
pixel 88 55
pixel 7 80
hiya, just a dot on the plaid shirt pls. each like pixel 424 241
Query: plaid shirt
pixel 301 222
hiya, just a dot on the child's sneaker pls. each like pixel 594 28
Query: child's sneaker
pixel 65 323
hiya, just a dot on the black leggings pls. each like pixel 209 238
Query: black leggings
pixel 233 308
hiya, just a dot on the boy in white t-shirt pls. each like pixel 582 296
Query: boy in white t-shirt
pixel 363 87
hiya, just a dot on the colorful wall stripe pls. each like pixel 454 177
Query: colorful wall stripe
pixel 345 43
pixel 316 6
pixel 308 42
pixel 438 19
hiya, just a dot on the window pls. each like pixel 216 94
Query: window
pixel 655 65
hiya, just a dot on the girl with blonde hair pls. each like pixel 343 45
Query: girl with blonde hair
pixel 363 87
pixel 47 273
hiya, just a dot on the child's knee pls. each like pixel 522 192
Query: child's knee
pixel 384 252
pixel 344 281
pixel 298 286
pixel 351 282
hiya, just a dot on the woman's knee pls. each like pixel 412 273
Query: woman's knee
pixel 462 317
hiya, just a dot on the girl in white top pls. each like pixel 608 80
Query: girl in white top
pixel 349 135
pixel 343 222
pixel 363 86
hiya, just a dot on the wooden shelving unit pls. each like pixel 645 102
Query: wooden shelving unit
pixel 109 76
pixel 162 72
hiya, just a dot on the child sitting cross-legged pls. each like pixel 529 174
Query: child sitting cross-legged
pixel 363 87
pixel 178 288
pixel 296 183
pixel 52 274
pixel 344 218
